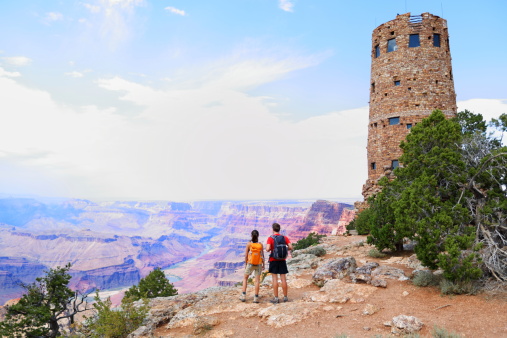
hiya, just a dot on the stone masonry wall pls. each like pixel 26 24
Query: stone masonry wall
pixel 407 83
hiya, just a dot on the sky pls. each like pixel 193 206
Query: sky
pixel 187 100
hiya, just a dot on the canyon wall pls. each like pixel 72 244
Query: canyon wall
pixel 111 245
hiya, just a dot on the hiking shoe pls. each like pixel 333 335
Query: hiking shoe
pixel 285 299
pixel 242 297
pixel 275 300
pixel 256 299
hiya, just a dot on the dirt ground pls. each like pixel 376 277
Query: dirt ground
pixel 482 315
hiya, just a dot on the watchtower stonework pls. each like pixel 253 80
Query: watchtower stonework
pixel 411 75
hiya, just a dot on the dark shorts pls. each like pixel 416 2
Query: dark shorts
pixel 278 267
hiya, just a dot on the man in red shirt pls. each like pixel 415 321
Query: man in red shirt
pixel 278 266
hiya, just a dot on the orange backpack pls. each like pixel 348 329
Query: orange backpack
pixel 255 254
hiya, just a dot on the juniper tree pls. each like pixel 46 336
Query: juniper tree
pixel 155 284
pixel 46 304
pixel 449 196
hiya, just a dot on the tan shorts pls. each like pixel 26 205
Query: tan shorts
pixel 257 269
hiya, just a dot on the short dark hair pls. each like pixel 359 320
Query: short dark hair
pixel 276 227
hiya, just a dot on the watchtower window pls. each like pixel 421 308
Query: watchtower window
pixel 391 45
pixel 373 87
pixel 436 40
pixel 373 165
pixel 394 164
pixel 409 125
pixel 394 120
pixel 397 83
pixel 377 51
pixel 414 40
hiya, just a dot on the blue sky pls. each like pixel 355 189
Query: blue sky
pixel 185 100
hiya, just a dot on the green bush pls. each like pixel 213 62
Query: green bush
pixel 362 223
pixel 312 239
pixel 154 285
pixel 448 287
pixel 375 253
pixel 117 323
pixel 426 278
pixel 439 332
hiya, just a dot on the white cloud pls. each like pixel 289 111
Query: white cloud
pixel 489 108
pixel 5 73
pixel 52 16
pixel 92 8
pixel 205 141
pixel 74 74
pixel 111 20
pixel 17 60
pixel 175 11
pixel 286 5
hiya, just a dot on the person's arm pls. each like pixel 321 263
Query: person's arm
pixel 262 253
pixel 247 249
pixel 268 245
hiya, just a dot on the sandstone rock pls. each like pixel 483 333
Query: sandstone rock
pixel 389 272
pixel 359 277
pixel 334 269
pixel 378 282
pixel 370 309
pixel 337 291
pixel 405 293
pixel 406 324
pixel 284 314
pixel 162 310
pixel 367 268
pixel 204 324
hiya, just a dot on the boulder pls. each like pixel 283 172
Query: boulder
pixel 303 261
pixel 378 282
pixel 317 250
pixel 389 272
pixel 367 268
pixel 403 324
pixel 162 310
pixel 370 309
pixel 334 269
pixel 360 278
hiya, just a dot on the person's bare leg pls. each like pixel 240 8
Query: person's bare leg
pixel 257 284
pixel 275 284
pixel 284 284
pixel 245 280
pixel 242 297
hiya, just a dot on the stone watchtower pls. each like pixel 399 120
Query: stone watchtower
pixel 411 75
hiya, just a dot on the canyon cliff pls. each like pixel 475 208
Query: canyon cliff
pixel 111 245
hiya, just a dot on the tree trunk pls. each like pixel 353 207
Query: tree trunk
pixel 54 328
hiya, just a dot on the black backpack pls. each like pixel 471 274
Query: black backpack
pixel 280 248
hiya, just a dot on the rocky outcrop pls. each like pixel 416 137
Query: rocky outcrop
pixel 243 218
pixel 111 277
pixel 13 272
pixel 334 269
pixel 327 218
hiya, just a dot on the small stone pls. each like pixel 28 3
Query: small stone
pixel 366 328
pixel 388 323
pixel 405 293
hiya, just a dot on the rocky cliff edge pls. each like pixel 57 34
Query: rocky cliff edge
pixel 359 296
